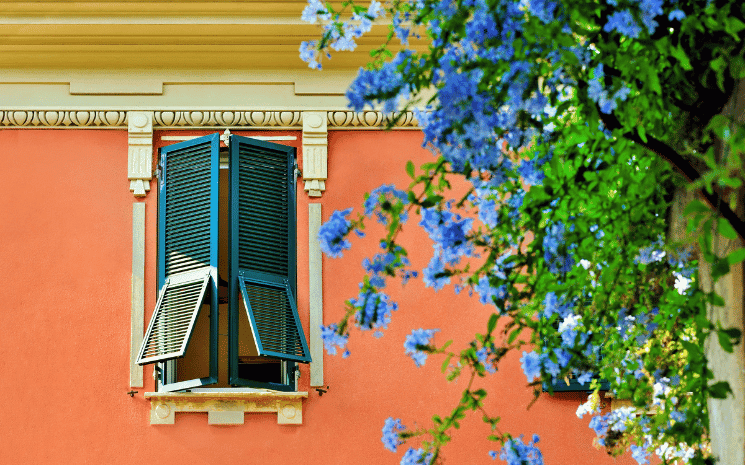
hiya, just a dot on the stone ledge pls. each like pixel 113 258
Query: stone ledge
pixel 226 408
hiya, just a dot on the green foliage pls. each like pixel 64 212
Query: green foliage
pixel 572 247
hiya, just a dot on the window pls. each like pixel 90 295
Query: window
pixel 226 313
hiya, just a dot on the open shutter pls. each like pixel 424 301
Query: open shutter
pixel 187 249
pixel 263 246
pixel 173 320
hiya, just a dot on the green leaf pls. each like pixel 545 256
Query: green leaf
pixel 737 67
pixel 446 363
pixel 431 200
pixel 724 341
pixel 410 168
pixel 720 268
pixel 716 300
pixel 734 333
pixel 696 206
pixel 726 229
pixel 642 133
pixel 493 321
pixel 681 56
pixel 720 390
pixel 736 257
pixel 513 335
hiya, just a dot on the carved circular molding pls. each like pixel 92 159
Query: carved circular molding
pixel 162 410
pixel 188 119
pixel 139 121
pixel 289 411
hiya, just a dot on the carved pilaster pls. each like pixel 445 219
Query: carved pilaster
pixel 315 152
pixel 140 160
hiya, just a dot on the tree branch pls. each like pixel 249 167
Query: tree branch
pixel 682 166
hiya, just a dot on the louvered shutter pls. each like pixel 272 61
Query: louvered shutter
pixel 187 245
pixel 263 246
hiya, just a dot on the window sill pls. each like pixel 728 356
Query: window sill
pixel 226 407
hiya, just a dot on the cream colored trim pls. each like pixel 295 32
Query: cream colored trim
pixel 140 157
pixel 188 120
pixel 226 408
pixel 315 152
pixel 315 277
pixel 138 293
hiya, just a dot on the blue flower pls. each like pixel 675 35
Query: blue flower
pixel 531 172
pixel 650 9
pixel 624 23
pixel 391 439
pixel 678 15
pixel 516 452
pixel 531 365
pixel 332 234
pixel 483 357
pixel 313 10
pixel 585 377
pixel 488 293
pixel 417 340
pixel 331 339
pixel 639 454
pixel 373 309
pixel 434 275
pixel 416 457
pixel 309 54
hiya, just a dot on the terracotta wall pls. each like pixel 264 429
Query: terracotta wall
pixel 65 227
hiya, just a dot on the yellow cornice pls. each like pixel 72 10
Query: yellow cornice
pixel 218 34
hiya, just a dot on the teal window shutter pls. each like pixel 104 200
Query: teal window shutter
pixel 187 252
pixel 262 247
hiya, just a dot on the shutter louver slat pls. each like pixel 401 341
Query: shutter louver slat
pixel 187 256
pixel 174 316
pixel 264 199
pixel 188 185
pixel 274 320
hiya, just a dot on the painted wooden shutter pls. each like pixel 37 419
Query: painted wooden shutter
pixel 187 245
pixel 263 245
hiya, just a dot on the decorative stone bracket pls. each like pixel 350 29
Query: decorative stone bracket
pixel 140 157
pixel 315 152
pixel 226 408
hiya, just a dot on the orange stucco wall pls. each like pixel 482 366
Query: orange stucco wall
pixel 66 232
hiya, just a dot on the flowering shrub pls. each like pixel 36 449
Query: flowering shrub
pixel 572 122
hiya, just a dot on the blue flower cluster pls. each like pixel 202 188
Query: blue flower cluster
pixel 339 40
pixel 332 234
pixel 417 340
pixel 623 21
pixel 448 232
pixel 416 457
pixel 553 245
pixel 599 94
pixel 373 309
pixel 516 452
pixel 382 194
pixel 482 355
pixel 332 339
pixel 383 85
pixel 391 439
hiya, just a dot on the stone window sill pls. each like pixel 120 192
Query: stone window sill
pixel 226 407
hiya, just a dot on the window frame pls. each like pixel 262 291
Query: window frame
pixel 166 371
